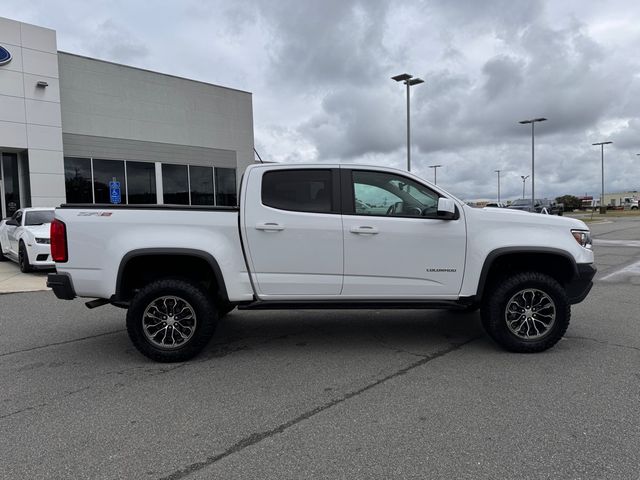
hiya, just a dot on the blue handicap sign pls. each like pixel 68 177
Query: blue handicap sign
pixel 114 192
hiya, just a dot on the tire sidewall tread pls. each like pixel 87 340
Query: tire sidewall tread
pixel 492 311
pixel 200 301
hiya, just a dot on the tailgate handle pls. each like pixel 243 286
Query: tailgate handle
pixel 270 227
pixel 364 229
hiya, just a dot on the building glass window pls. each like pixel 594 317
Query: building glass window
pixel 105 171
pixel 201 185
pixel 175 184
pixel 11 185
pixel 77 180
pixel 226 187
pixel 141 182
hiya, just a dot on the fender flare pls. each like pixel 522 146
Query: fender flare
pixel 187 252
pixel 501 252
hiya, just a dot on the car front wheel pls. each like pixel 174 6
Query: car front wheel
pixel 526 312
pixel 171 320
pixel 23 259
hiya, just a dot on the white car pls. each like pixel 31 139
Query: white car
pixel 24 238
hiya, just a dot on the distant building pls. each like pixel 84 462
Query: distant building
pixel 77 130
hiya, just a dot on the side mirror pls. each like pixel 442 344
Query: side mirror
pixel 11 222
pixel 446 209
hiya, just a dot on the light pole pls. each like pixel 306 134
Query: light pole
pixel 533 184
pixel 524 179
pixel 603 208
pixel 409 81
pixel 435 173
pixel 498 172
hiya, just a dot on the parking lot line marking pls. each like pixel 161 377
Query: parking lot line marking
pixel 617 243
pixel 628 271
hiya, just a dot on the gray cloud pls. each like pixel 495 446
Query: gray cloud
pixel 320 74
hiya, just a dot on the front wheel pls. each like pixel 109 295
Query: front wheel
pixel 526 312
pixel 23 259
pixel 171 320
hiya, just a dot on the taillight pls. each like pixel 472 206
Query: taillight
pixel 59 242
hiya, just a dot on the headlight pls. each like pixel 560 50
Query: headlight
pixel 583 237
pixel 43 240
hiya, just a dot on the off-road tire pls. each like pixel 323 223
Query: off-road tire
pixel 197 298
pixel 493 311
pixel 23 259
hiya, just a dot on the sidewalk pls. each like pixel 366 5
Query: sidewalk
pixel 12 280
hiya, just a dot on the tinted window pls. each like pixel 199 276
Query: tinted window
pixel 38 217
pixel 77 180
pixel 201 185
pixel 105 171
pixel 380 193
pixel 226 187
pixel 175 184
pixel 11 184
pixel 298 190
pixel 141 182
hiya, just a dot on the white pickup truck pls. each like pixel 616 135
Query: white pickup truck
pixel 322 236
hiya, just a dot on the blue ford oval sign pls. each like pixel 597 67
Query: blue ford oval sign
pixel 5 56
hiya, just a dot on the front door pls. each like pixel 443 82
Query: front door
pixel 293 232
pixel 395 247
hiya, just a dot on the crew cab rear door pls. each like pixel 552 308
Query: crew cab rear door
pixel 395 245
pixel 292 229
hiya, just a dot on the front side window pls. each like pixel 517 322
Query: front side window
pixel 298 190
pixel 387 194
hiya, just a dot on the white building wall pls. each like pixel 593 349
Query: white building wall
pixel 30 116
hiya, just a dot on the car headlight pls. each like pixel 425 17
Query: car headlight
pixel 583 237
pixel 45 241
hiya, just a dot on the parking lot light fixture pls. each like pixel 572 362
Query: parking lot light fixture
pixel 435 173
pixel 533 174
pixel 498 172
pixel 524 179
pixel 603 208
pixel 409 81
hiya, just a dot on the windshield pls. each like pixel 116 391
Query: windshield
pixel 521 202
pixel 38 217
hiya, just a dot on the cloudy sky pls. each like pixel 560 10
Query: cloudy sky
pixel 320 75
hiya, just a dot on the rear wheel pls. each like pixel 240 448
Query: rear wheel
pixel 171 320
pixel 526 312
pixel 23 259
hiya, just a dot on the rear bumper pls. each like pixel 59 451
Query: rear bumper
pixel 580 286
pixel 61 285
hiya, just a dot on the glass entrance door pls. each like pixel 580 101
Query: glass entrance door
pixel 9 184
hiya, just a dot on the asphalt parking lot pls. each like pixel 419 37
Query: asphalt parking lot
pixel 327 394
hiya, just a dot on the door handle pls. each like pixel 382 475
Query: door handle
pixel 364 230
pixel 270 227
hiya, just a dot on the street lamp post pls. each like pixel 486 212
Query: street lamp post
pixel 498 172
pixel 409 81
pixel 435 173
pixel 533 184
pixel 603 208
pixel 524 179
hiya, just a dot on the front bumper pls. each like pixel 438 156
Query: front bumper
pixel 61 285
pixel 40 255
pixel 580 286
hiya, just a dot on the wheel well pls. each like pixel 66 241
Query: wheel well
pixel 140 270
pixel 555 265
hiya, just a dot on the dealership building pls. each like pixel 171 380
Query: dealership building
pixel 80 130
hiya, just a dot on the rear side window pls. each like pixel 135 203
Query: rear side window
pixel 298 190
